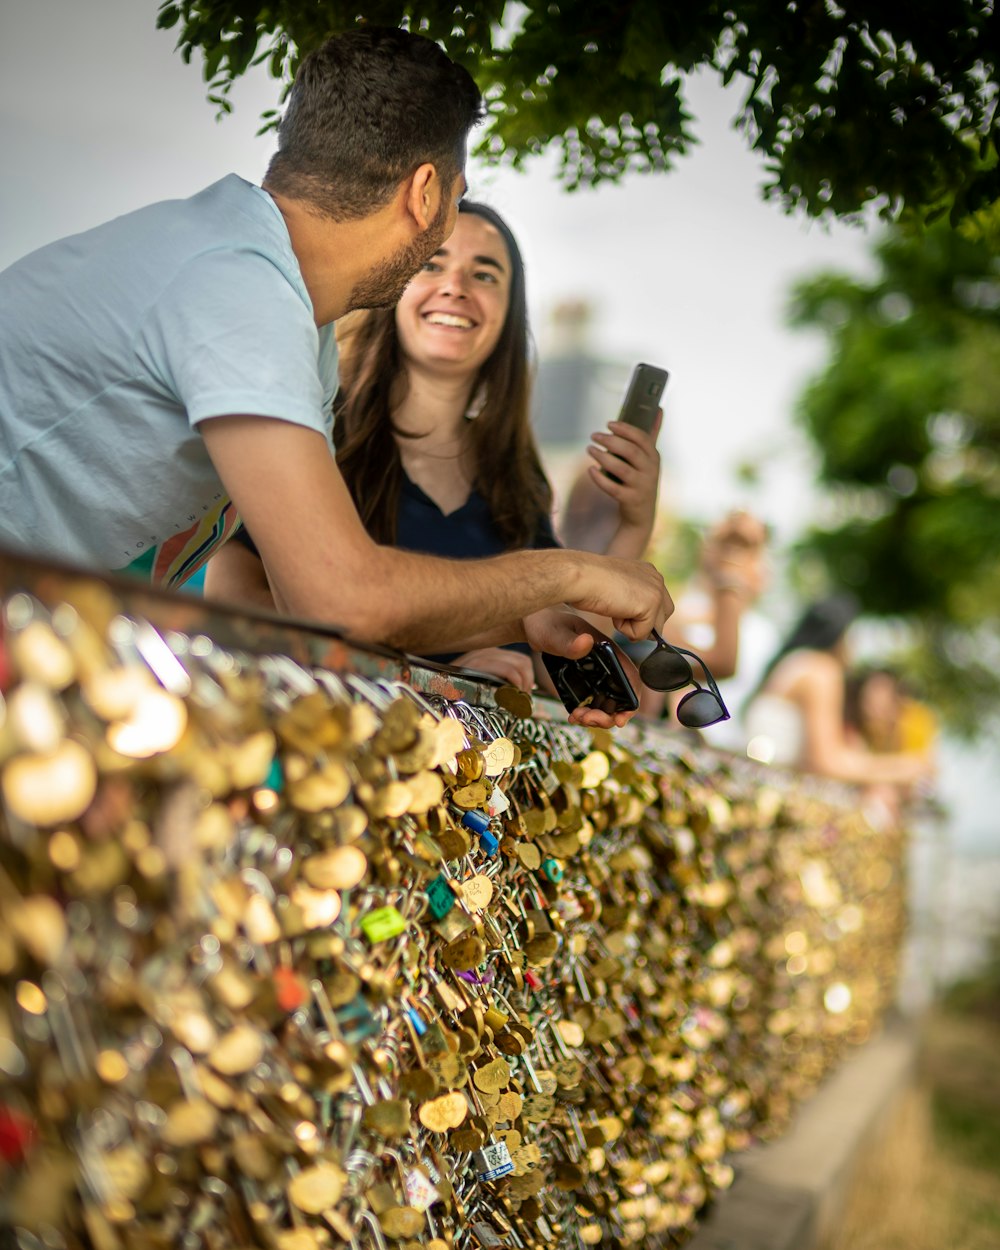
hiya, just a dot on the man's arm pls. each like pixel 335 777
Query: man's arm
pixel 322 564
pixel 235 575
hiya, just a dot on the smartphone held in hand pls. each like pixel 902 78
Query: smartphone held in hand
pixel 642 399
pixel 597 681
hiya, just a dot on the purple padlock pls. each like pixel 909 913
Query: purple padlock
pixel 474 978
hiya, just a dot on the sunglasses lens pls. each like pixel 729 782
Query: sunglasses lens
pixel 664 669
pixel 700 708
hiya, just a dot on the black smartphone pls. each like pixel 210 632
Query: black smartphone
pixel 642 399
pixel 598 680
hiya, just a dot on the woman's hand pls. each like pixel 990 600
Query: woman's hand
pixel 513 667
pixel 630 455
pixel 732 556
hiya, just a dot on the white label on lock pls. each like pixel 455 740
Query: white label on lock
pixel 498 802
pixel 420 1190
pixel 493 1161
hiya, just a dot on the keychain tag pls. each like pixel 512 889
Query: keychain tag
pixel 357 1021
pixel 381 924
pixel 275 779
pixel 552 869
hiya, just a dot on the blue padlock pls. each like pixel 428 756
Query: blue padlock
pixel 552 869
pixel 489 843
pixel 417 1020
pixel 478 822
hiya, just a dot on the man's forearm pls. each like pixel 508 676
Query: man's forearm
pixel 498 636
pixel 424 604
pixel 322 565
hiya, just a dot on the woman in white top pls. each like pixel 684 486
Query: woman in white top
pixel 796 716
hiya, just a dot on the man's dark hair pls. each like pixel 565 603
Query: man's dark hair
pixel 366 109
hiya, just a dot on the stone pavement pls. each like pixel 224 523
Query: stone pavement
pixel 788 1194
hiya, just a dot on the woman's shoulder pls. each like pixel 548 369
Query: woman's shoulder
pixel 803 670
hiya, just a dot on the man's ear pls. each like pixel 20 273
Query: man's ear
pixel 423 195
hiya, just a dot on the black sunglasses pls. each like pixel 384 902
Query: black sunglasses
pixel 665 668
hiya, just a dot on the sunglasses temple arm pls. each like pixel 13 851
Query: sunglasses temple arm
pixel 713 687
pixel 704 668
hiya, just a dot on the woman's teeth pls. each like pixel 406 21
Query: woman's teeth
pixel 449 319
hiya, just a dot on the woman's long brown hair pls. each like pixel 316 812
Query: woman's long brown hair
pixel 509 473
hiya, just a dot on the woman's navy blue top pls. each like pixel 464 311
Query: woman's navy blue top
pixel 468 533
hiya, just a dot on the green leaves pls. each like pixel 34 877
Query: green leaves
pixel 887 104
pixel 906 423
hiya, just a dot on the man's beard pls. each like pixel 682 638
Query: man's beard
pixel 382 286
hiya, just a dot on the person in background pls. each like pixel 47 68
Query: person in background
pixel 881 717
pixel 873 705
pixel 713 616
pixel 433 434
pixel 796 716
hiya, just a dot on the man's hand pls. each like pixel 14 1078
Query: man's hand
pixel 631 595
pixel 564 633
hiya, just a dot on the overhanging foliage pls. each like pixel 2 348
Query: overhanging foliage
pixel 886 102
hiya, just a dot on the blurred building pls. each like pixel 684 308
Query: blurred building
pixel 576 392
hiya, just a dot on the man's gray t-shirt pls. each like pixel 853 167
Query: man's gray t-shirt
pixel 116 343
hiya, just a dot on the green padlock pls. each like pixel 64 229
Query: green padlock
pixel 382 924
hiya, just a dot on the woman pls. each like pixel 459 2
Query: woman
pixel 796 716
pixel 432 427
pixel 873 709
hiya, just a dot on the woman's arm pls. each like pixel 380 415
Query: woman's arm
pixel 630 455
pixel 235 575
pixel 513 667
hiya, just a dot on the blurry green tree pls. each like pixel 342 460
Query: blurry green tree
pixel 879 102
pixel 905 420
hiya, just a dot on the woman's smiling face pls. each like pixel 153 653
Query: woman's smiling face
pixel 452 313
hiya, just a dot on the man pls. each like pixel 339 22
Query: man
pixel 175 367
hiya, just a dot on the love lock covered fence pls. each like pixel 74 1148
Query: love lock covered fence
pixel 303 947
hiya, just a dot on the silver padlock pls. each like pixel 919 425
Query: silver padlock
pixel 493 1161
